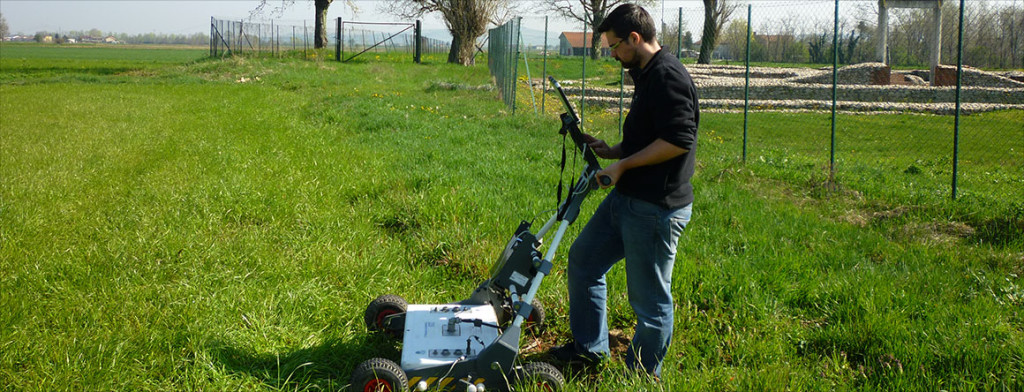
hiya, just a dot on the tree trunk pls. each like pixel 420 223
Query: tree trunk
pixel 462 51
pixel 710 35
pixel 320 30
pixel 595 38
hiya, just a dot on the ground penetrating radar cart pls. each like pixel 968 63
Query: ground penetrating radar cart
pixel 473 345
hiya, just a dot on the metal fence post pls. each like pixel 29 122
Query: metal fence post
pixel 544 79
pixel 835 83
pixel 746 85
pixel 959 76
pixel 337 45
pixel 515 62
pixel 419 40
pixel 583 77
pixel 622 94
pixel 679 28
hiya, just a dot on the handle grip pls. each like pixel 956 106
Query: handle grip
pixel 605 180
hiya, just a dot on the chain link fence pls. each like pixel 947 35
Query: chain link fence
pixel 503 59
pixel 238 37
pixel 347 39
pixel 884 121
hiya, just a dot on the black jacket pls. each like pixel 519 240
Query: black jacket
pixel 664 107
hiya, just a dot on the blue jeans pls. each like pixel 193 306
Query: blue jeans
pixel 645 235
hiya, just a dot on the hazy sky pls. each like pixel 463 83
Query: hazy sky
pixel 192 16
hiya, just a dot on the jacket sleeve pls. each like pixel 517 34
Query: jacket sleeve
pixel 676 110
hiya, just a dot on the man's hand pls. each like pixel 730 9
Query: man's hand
pixel 613 172
pixel 601 149
pixel 655 153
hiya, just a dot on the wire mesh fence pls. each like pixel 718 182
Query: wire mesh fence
pixel 883 120
pixel 347 39
pixel 503 59
pixel 238 37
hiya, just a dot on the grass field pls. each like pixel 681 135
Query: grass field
pixel 165 226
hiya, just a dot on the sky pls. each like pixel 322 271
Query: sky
pixel 193 16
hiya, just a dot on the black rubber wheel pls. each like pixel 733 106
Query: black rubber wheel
pixel 382 307
pixel 534 324
pixel 541 375
pixel 379 375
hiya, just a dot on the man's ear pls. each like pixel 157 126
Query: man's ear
pixel 636 38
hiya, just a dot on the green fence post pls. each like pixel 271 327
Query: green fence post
pixel 515 61
pixel 835 82
pixel 956 120
pixel 746 87
pixel 583 78
pixel 544 80
pixel 418 45
pixel 622 93
pixel 679 38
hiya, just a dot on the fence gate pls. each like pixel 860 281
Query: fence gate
pixel 361 37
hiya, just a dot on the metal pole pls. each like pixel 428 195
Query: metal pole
pixel 956 120
pixel 419 38
pixel 337 45
pixel 746 86
pixel 622 93
pixel 583 78
pixel 515 61
pixel 544 80
pixel 679 39
pixel 835 82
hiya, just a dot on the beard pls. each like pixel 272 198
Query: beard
pixel 633 64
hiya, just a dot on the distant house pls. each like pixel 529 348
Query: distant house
pixel 110 39
pixel 573 43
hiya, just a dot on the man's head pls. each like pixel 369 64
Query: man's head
pixel 630 32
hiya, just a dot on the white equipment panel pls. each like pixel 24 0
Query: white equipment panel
pixel 433 338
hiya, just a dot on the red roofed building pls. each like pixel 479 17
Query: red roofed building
pixel 572 43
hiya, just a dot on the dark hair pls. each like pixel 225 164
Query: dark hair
pixel 628 18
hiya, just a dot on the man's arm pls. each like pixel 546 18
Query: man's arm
pixel 657 152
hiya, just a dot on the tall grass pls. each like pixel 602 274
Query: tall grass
pixel 180 229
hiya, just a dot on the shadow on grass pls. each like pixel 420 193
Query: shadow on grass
pixel 324 367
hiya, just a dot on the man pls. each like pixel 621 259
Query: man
pixel 642 218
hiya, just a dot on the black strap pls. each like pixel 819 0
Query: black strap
pixel 560 174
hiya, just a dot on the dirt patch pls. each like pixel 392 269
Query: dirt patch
pixel 936 232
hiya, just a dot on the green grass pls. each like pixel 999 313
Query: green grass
pixel 176 229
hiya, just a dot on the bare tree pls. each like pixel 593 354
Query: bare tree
pixel 591 12
pixel 716 15
pixel 4 29
pixel 466 20
pixel 320 18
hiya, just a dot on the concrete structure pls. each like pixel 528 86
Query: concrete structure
pixel 883 27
